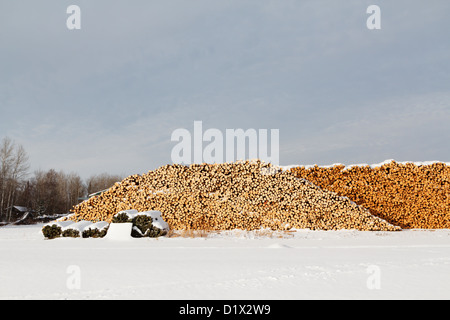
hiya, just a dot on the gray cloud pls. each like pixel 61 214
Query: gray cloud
pixel 108 96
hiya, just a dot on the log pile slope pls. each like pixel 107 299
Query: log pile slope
pixel 408 195
pixel 248 195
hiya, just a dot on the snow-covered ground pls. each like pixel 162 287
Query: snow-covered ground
pixel 412 264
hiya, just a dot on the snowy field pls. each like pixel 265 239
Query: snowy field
pixel 412 264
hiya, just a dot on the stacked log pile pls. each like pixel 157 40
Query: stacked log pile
pixel 230 196
pixel 407 195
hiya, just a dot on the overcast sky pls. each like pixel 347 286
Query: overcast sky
pixel 107 98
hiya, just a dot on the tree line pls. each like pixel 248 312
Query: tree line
pixel 45 192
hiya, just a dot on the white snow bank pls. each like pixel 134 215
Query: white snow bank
pixel 61 224
pixel 119 231
pixel 79 226
pixel 305 264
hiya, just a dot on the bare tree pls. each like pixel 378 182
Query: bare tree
pixel 76 190
pixel 6 154
pixel 13 168
pixel 47 192
pixel 46 195
pixel 101 182
pixel 19 170
pixel 70 189
pixel 55 192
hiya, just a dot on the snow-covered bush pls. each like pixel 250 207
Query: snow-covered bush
pixel 143 227
pixel 96 230
pixel 71 233
pixel 73 229
pixel 121 217
pixel 124 216
pixel 51 231
pixel 54 229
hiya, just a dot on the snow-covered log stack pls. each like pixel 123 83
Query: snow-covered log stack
pixel 230 196
pixel 410 195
